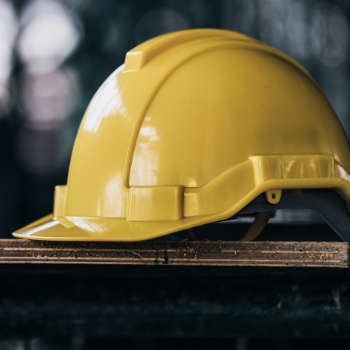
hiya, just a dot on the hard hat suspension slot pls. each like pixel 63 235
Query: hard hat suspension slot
pixel 326 202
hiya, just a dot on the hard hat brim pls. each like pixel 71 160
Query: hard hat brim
pixel 201 207
pixel 49 228
pixel 100 229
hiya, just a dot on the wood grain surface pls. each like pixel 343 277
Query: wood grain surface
pixel 179 253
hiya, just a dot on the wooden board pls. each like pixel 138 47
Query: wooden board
pixel 178 253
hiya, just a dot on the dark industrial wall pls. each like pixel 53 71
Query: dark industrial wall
pixel 55 54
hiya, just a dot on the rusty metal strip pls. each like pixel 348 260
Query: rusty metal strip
pixel 180 253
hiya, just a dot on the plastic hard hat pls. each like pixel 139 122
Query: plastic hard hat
pixel 191 129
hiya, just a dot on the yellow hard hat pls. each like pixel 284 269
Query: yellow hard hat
pixel 192 128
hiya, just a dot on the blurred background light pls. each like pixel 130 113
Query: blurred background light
pixel 48 98
pixel 295 28
pixel 8 30
pixel 49 34
pixel 47 91
pixel 335 49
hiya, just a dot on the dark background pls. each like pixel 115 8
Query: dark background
pixel 55 54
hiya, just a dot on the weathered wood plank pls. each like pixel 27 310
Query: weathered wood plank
pixel 178 253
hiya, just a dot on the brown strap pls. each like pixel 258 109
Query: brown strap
pixel 257 226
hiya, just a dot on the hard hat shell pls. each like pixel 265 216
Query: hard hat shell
pixel 189 130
